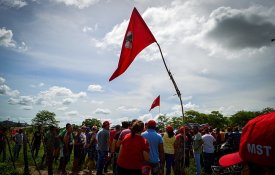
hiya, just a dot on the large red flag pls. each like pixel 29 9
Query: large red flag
pixel 137 37
pixel 155 103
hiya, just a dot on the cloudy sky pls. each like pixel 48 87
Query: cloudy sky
pixel 58 55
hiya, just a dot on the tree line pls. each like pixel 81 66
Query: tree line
pixel 214 119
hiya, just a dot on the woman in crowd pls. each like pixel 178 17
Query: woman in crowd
pixel 168 144
pixel 134 151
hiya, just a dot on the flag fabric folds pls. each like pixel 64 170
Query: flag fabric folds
pixel 137 37
pixel 155 103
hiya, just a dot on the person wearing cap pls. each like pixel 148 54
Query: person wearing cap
pixel 180 144
pixel 257 147
pixel 103 144
pixel 168 144
pixel 155 140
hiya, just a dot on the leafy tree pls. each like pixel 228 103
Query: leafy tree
pixel 267 110
pixel 44 118
pixel 162 121
pixel 176 122
pixel 216 119
pixel 242 117
pixel 92 122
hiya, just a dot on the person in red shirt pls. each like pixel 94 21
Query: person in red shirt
pixel 134 151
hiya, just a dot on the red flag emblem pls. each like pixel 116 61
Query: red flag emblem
pixel 155 103
pixel 137 37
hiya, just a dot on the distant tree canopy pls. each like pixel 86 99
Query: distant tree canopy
pixel 92 122
pixel 214 119
pixel 44 118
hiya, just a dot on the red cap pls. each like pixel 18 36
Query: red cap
pixel 182 129
pixel 105 123
pixel 257 143
pixel 151 123
pixel 169 128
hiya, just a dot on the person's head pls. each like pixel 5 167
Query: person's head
pixel 137 128
pixel 181 130
pixel 229 129
pixel 88 129
pixel 170 131
pixel 151 124
pixel 69 128
pixel 257 146
pixel 106 125
pixel 132 122
pixel 52 129
pixel 94 128
pixel 195 129
pixel 117 127
pixel 20 131
pixel 125 124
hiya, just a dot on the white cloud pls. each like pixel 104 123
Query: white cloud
pixel 80 4
pixel 67 101
pixel 235 32
pixel 6 38
pixel 37 85
pixel 188 106
pixel 127 109
pixel 72 113
pixel 97 102
pixel 22 100
pixel 6 90
pixel 27 107
pixel 102 111
pixel 145 117
pixel 62 108
pixel 14 3
pixel 23 47
pixel 58 95
pixel 87 29
pixel 95 88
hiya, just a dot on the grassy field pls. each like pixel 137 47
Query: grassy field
pixel 7 166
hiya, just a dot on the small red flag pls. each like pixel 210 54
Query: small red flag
pixel 155 103
pixel 137 37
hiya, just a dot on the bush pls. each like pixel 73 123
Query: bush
pixel 7 169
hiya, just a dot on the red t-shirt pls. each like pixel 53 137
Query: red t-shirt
pixel 131 153
pixel 112 135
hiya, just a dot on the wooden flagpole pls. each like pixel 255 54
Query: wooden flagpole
pixel 178 93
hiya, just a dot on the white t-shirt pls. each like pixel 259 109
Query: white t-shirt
pixel 208 146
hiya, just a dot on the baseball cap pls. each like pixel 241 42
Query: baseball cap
pixel 105 123
pixel 169 128
pixel 151 123
pixel 257 143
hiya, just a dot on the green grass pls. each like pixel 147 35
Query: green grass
pixel 20 162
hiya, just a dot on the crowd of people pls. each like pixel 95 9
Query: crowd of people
pixel 138 148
